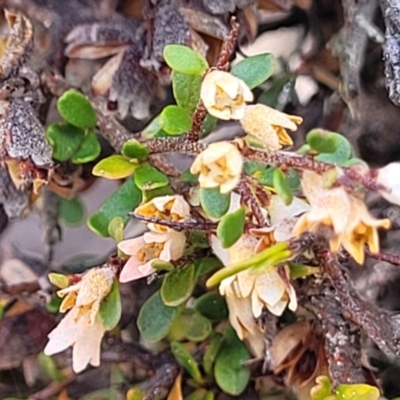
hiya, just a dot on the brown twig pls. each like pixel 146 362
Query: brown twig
pixel 186 225
pixel 228 48
pixel 390 258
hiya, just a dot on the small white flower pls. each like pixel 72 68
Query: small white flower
pixel 82 328
pixel 146 249
pixel 220 165
pixel 224 95
pixel 389 177
pixel 170 208
pixel 269 126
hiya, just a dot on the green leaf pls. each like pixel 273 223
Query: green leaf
pixel 322 390
pixel 231 227
pixel 158 192
pixel 282 186
pixel 196 327
pixel 155 318
pixel 65 140
pixel 322 141
pixel 153 129
pixel 178 285
pixel 186 360
pixel 89 150
pixel 116 229
pixel 198 394
pixel 149 178
pixel 175 120
pixel 186 90
pixel 255 70
pixel 71 211
pixel 206 265
pixel 110 308
pixel 134 149
pixel 230 374
pixel 211 352
pixel 76 109
pixel 358 391
pixel 119 204
pixel 114 167
pixel 212 305
pixel 214 203
pixel 280 93
pixel 49 367
pixel 266 176
pixel 341 155
pixel 208 126
pixel 184 59
pixel 59 280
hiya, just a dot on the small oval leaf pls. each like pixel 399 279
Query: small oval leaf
pixel 186 360
pixel 230 374
pixel 282 187
pixel 184 59
pixel 212 305
pixel 148 178
pixel 178 285
pixel 65 140
pixel 76 109
pixel 134 149
pixel 322 141
pixel 114 167
pixel 89 150
pixel 110 308
pixel 214 203
pixel 186 90
pixel 71 211
pixel 175 120
pixel 255 70
pixel 231 227
pixel 155 318
pixel 340 156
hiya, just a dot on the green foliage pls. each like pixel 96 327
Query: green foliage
pixel 186 90
pixel 255 70
pixel 178 285
pixel 71 211
pixel 134 149
pixel 175 120
pixel 110 308
pixel 231 227
pixel 214 203
pixel 212 351
pixel 186 360
pixel 116 229
pixel 114 167
pixel 324 391
pixel 155 318
pixel 183 59
pixel 88 150
pixel 212 305
pixel 119 204
pixel 148 178
pixel 76 109
pixel 282 186
pixel 322 141
pixel 230 374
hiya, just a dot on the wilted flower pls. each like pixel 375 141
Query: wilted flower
pixel 82 327
pixel 347 217
pixel 388 177
pixel 224 95
pixel 220 165
pixel 170 208
pixel 247 293
pixel 146 249
pixel 269 126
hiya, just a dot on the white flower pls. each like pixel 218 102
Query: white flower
pixel 77 330
pixel 269 126
pixel 170 208
pixel 224 95
pixel 146 249
pixel 389 177
pixel 220 165
pixel 82 328
pixel 247 293
pixel 346 217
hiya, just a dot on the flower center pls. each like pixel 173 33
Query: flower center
pixel 150 251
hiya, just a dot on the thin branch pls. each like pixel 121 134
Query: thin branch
pixel 390 258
